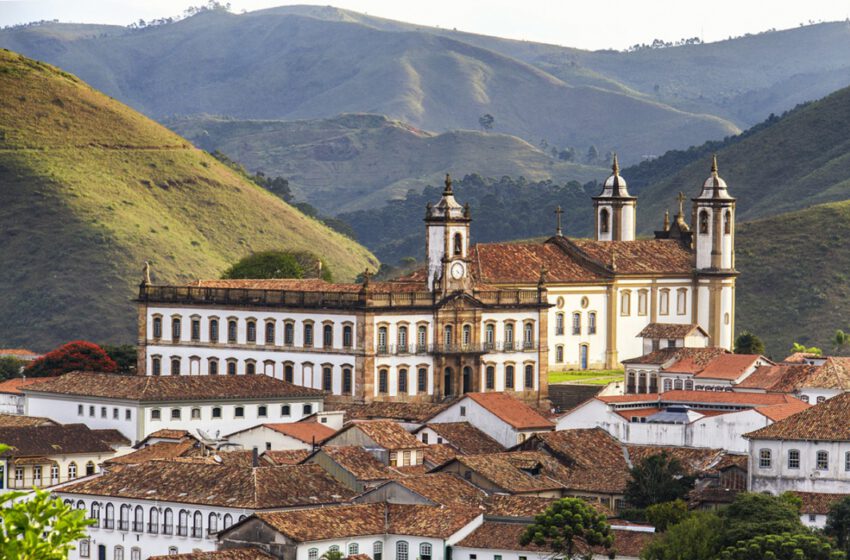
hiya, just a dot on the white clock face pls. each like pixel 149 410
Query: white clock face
pixel 457 271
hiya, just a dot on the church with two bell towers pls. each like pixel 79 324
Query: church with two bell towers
pixel 476 317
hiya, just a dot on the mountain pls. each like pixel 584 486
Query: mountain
pixel 359 161
pixel 278 64
pixel 90 189
pixel 784 164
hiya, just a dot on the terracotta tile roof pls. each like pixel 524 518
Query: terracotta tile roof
pixel 385 433
pixel 20 353
pixel 503 505
pixel 632 543
pixel 443 488
pixel 112 437
pixel 318 524
pixel 159 450
pixel 777 412
pixel 466 438
pixel 377 410
pixel 669 330
pixel 706 397
pixel 511 410
pixel 589 448
pixel 694 460
pixel 438 453
pixel 739 460
pixel 13 386
pixel 726 366
pixel 824 422
pixel 172 388
pixel 227 554
pixel 308 432
pixel 17 420
pixel 286 457
pixel 800 357
pixel 833 374
pixel 816 502
pixel 359 462
pixel 512 471
pixel 641 256
pixel 166 433
pixel 520 263
pixel 311 285
pixel 48 440
pixel 667 356
pixel 780 378
pixel 218 485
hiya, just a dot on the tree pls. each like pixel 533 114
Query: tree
pixel 840 340
pixel 10 367
pixel 124 356
pixel 785 546
pixel 78 355
pixel 656 479
pixel 38 527
pixel 697 537
pixel 571 528
pixel 803 349
pixel 751 515
pixel 332 555
pixel 838 523
pixel 486 121
pixel 748 343
pixel 663 515
pixel 264 265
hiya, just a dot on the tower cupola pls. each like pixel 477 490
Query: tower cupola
pixel 615 208
pixel 447 243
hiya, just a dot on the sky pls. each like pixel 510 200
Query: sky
pixel 587 24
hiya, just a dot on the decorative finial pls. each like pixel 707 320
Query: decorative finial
pixel 714 164
pixel 542 280
pixel 666 220
pixel 558 212
pixel 448 190
pixel 614 261
pixel 366 276
pixel 681 199
pixel 466 210
pixel 146 271
pixel 616 166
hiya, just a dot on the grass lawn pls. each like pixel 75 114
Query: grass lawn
pixel 587 377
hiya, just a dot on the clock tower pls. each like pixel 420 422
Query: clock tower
pixel 447 244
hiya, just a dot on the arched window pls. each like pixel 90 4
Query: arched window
pixel 216 412
pixel 195 414
pixel 250 367
pixel 794 459
pixel 72 470
pixel 175 366
pixel 307 409
pixel 135 553
pixel 467 336
pixel 804 398
pixel 183 523
pixel 591 322
pixel 196 329
pixel 448 336
pixel 353 549
pixel 176 327
pixel 231 366
pixel 727 222
pixel 689 385
pixel 529 376
pixel 820 399
pixel 490 377
pixel 703 222
pixel 212 366
pixel 765 458
pixel 422 380
pixel 89 468
pixel 421 338
pixel 139 519
pixel 425 551
pixel 347 380
pixel 603 220
pixel 528 336
pixel 576 323
pixel 156 365
pixel 642 299
pixel 119 552
pixel 212 523
pixel 333 548
pixel 227 521
pixel 232 330
pixel 509 377
pixel 95 513
pixel 402 381
pixel 402 338
pixel 157 327
pixel 313 554
pixel 664 302
pixel 124 518
pixel 109 520
pixel 289 333
pixel 559 354
pixel 377 550
pixel 847 461
pixel 678 385
pixel 328 336
pixel 172 551
pixel 509 336
pixel 308 334
pixel 383 381
pixel 822 461
pixel 167 522
pixel 285 410
pixel 288 372
pixel 626 303
pixel 681 301
pixel 327 378
pixel 382 340
pixel 559 323
pixel 175 413
pixel 668 385
pixel 213 330
pixel 269 332
pixel 458 248
pixel 401 550
pixel 198 525
pixel 347 336
pixel 153 521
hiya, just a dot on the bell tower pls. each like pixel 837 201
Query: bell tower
pixel 713 226
pixel 615 209
pixel 447 244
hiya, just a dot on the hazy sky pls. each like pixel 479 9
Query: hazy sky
pixel 590 24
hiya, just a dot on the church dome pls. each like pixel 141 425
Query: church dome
pixel 448 206
pixel 714 187
pixel 615 186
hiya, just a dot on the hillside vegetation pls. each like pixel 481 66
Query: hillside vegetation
pixel 279 64
pixel 90 189
pixel 358 161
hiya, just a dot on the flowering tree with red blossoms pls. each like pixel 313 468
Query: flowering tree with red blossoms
pixel 78 355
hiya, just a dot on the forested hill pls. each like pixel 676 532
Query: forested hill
pixel 90 189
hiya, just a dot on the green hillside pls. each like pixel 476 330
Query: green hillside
pixel 785 164
pixel 90 189
pixel 274 64
pixel 358 161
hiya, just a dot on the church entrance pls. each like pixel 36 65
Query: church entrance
pixel 467 379
pixel 447 382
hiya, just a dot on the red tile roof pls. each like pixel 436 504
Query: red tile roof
pixel 705 397
pixel 47 440
pixel 512 471
pixel 520 263
pixel 443 488
pixel 13 386
pixel 725 366
pixel 286 457
pixel 669 330
pixel 824 422
pixel 466 438
pixel 386 433
pixel 817 502
pixel 511 410
pixel 159 450
pixel 359 462
pixel 16 420
pixel 438 453
pixel 698 357
pixel 777 412
pixel 378 410
pixel 227 554
pixel 308 432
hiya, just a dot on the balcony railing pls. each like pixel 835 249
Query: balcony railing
pixel 182 531
pixel 197 532
pixel 123 525
pixel 138 526
pixel 167 530
pixel 109 523
pixel 153 528
pixel 472 348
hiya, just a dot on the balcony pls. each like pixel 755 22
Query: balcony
pixel 167 530
pixel 472 348
pixel 138 527
pixel 109 523
pixel 182 531
pixel 153 528
pixel 197 532
pixel 123 525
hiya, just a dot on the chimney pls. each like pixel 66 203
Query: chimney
pixel 255 458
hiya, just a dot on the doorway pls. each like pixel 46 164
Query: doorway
pixel 467 379
pixel 447 382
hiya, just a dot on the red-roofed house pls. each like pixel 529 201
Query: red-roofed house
pixel 504 418
pixel 12 400
pixel 282 437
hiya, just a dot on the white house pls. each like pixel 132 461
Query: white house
pixel 11 397
pixel 282 437
pixel 499 415
pixel 656 336
pixel 139 405
pixel 167 507
pixel 683 418
pixel 812 380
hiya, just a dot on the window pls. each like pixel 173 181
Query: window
pixel 591 322
pixel 489 336
pixel 213 330
pixel 559 323
pixel 212 366
pixel 227 521
pixel 288 333
pixel 167 521
pixel 353 549
pixel 153 521
pixel 183 523
pixel 91 411
pixel 576 323
pixel 529 376
pixel 95 513
pixel 212 523
pixel 467 336
pixel 402 380
pixel 528 335
pixel 448 336
pixel 196 329
pixel 642 298
pixel 377 550
pixel 239 412
pixel 285 410
pixel 765 459
pixel 176 326
pixel 603 220
pixel 128 415
pixel 327 378
pixel 347 380
pixel 822 461
pixel 402 338
pixel 383 376
pixel 269 332
pixel 313 554
pixel 175 366
pixel 231 367
pixel 490 377
pixel 172 551
pixel 847 461
pixel 198 525
pixel 820 399
pixel 36 475
pixel 288 372
pixel 328 336
pixel 347 338
pixel 681 301
pixel 559 354
pixel 382 340
pixel 80 410
pixel 232 330
pixel 727 222
pixel 84 548
pixel 333 548
pixel 804 398
pixel 422 380
pixel 251 331
pixel 216 412
pixel 463 411
pixel 425 551
pixel 156 365
pixel 458 244
pixel 195 414
pixel 156 414
pixel 664 302
pixel 668 385
pixel 119 552
pixel 509 377
pixel 19 475
pixel 157 327
pixel 175 414
pixel 626 303
pixel 509 336
pixel 72 470
pixel 250 367
pixel 703 222
pixel 139 519
pixel 135 553
pixel 103 412
pixel 421 338
pixel 401 550
pixel 308 409
pixel 115 414
pixel 109 520
pixel 308 334
pixel 54 474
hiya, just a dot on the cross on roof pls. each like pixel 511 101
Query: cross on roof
pixel 558 212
